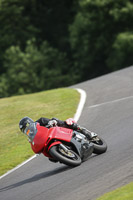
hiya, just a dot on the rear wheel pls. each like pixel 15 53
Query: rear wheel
pixel 100 145
pixel 68 157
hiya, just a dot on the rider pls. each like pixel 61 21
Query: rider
pixel 26 124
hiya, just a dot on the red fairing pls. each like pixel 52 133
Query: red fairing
pixel 40 139
pixel 45 136
pixel 61 133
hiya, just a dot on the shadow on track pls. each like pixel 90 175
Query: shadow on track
pixel 36 178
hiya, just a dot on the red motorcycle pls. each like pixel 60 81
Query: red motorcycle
pixel 66 145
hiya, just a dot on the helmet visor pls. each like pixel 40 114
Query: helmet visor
pixel 24 123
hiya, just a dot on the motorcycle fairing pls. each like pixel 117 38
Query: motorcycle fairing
pixel 44 136
pixel 61 133
pixel 40 139
pixel 84 148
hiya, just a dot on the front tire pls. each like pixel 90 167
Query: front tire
pixel 100 145
pixel 71 158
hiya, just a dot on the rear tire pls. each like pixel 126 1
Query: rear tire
pixel 100 145
pixel 72 160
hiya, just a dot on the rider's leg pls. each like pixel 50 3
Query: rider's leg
pixel 89 135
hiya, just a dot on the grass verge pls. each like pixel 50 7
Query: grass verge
pixel 122 193
pixel 14 149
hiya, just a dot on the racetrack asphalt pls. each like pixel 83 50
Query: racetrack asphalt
pixel 109 112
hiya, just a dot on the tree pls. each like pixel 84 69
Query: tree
pixel 74 40
pixel 35 69
pixel 15 27
pixel 94 31
pixel 21 20
pixel 121 55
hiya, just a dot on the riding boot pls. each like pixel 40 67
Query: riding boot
pixel 87 133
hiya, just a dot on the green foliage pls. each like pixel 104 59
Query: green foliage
pixel 74 40
pixel 15 26
pixel 34 69
pixel 3 86
pixel 94 31
pixel 121 54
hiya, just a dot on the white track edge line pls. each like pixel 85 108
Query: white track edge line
pixel 18 166
pixel 76 118
pixel 81 104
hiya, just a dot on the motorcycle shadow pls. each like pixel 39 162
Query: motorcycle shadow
pixel 37 177
pixel 43 175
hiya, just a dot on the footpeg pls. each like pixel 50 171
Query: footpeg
pixel 92 134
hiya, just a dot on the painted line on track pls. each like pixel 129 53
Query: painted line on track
pixel 76 118
pixel 109 102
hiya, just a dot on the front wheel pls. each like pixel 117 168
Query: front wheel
pixel 100 145
pixel 67 157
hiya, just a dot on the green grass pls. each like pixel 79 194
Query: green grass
pixel 14 148
pixel 123 193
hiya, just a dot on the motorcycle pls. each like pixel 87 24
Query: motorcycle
pixel 66 145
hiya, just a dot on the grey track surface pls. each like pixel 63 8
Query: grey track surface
pixel 112 119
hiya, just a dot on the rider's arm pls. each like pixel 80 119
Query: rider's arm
pixel 65 124
pixel 43 121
